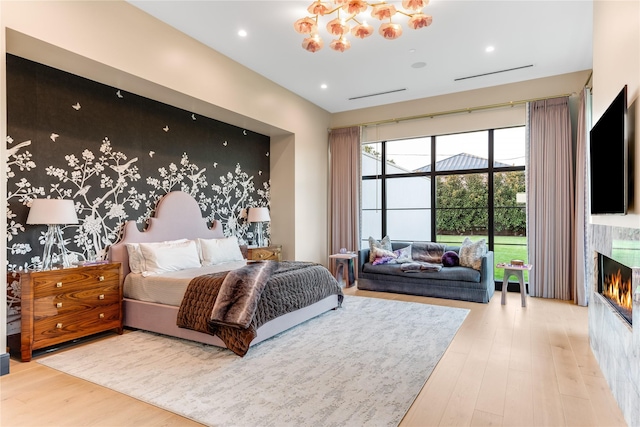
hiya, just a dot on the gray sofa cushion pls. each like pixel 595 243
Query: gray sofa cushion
pixel 463 274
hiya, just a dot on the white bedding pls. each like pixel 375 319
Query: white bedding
pixel 169 288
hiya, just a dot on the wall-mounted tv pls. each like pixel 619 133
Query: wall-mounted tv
pixel 609 159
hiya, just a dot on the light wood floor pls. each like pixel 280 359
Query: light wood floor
pixel 508 365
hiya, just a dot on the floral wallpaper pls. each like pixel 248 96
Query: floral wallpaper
pixel 115 154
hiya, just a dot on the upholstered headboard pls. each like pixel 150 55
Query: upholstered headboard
pixel 177 216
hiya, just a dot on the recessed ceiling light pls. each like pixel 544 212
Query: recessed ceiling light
pixel 242 33
pixel 489 49
pixel 323 86
pixel 419 65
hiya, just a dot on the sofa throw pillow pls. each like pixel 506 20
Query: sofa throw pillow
pixel 450 259
pixel 383 256
pixel 385 244
pixel 471 253
pixel 403 255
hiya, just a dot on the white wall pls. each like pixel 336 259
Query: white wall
pixel 616 62
pixel 565 84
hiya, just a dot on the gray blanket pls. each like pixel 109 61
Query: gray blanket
pixel 427 252
pixel 239 294
pixel 420 266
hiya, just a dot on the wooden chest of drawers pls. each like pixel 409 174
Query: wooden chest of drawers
pixel 273 252
pixel 62 305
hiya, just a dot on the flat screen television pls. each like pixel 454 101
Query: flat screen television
pixel 609 159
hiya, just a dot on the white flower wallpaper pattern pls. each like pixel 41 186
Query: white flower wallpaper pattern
pixel 115 154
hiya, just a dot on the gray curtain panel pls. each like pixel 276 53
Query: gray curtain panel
pixel 344 146
pixel 550 198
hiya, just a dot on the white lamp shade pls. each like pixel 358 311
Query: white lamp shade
pixel 259 215
pixel 52 211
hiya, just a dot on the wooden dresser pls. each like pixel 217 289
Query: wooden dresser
pixel 273 252
pixel 62 305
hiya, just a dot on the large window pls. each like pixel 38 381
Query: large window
pixel 444 188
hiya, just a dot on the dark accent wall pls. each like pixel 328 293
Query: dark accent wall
pixel 115 153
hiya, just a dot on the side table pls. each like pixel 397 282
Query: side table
pixel 514 270
pixel 343 261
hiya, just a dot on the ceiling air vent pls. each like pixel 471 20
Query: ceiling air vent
pixel 376 94
pixel 493 72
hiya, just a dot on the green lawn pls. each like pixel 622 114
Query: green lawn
pixel 505 249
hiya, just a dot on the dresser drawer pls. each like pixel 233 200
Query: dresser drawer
pixel 64 327
pixel 72 280
pixel 75 300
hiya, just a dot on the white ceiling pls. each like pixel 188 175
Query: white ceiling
pixel 545 37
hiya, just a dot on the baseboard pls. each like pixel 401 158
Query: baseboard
pixel 4 364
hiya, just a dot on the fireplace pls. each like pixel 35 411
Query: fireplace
pixel 615 285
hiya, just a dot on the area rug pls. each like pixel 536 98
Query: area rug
pixel 360 365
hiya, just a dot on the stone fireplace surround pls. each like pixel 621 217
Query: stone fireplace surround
pixel 615 343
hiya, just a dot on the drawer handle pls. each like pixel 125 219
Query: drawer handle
pixel 59 305
pixel 58 325
pixel 102 315
pixel 100 278
pixel 101 296
pixel 59 285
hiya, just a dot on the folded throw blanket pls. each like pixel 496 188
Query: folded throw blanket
pixel 239 294
pixel 420 266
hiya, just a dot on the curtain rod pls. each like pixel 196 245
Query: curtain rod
pixel 446 113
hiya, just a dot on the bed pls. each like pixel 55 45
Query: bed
pixel 154 301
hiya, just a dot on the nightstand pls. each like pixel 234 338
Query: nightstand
pixel 344 262
pixel 62 305
pixel 273 252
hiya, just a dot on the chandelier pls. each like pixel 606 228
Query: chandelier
pixel 350 10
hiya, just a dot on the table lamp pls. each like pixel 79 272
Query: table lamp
pixel 53 212
pixel 259 215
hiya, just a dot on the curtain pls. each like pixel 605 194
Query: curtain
pixel 580 288
pixel 344 150
pixel 550 198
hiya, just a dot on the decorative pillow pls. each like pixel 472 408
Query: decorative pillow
pixel 471 253
pixel 403 255
pixel 170 256
pixel 450 259
pixel 382 256
pixel 383 260
pixel 218 251
pixel 136 260
pixel 385 244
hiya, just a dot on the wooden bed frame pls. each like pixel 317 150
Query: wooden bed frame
pixel 178 216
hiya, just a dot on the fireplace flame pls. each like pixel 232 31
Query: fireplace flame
pixel 618 291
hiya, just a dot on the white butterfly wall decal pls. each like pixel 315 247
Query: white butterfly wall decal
pixel 118 94
pixel 166 128
pixel 225 143
pixel 53 136
pixel 76 106
pixel 151 153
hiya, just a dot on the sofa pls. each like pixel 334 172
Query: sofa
pixel 457 282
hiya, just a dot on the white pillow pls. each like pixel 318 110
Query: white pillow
pixel 136 260
pixel 217 251
pixel 169 256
